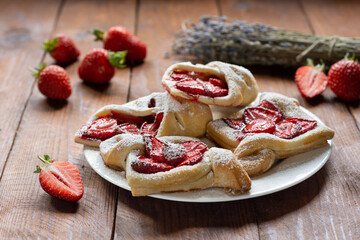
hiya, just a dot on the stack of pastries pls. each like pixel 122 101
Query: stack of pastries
pixel 158 140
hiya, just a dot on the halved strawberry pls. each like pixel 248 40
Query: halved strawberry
pixel 60 179
pixel 148 165
pixel 129 128
pixel 256 113
pixel 101 129
pixel 190 87
pixel 260 126
pixel 311 80
pixel 235 123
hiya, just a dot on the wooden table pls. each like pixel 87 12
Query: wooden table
pixel 326 206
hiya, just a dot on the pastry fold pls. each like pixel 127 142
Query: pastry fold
pixel 218 168
pixel 242 86
pixel 180 117
pixel 257 152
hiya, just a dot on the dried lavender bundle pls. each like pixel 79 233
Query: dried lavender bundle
pixel 238 42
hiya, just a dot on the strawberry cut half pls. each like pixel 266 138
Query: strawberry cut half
pixel 256 113
pixel 129 128
pixel 148 165
pixel 260 126
pixel 100 129
pixel 311 80
pixel 60 179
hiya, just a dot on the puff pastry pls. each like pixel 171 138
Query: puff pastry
pixel 216 83
pixel 169 164
pixel 272 127
pixel 158 114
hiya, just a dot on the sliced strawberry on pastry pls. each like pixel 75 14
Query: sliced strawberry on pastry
pixel 154 148
pixel 123 118
pixel 151 128
pixel 235 123
pixel 293 127
pixel 256 113
pixel 149 165
pixel 192 160
pixel 191 87
pixel 214 91
pixel 100 129
pixel 217 82
pixel 260 126
pixel 306 125
pixel 129 128
pixel 269 105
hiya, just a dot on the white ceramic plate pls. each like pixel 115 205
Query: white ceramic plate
pixel 284 174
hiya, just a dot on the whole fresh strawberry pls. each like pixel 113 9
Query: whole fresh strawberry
pixel 311 80
pixel 60 179
pixel 98 65
pixel 118 38
pixel 344 79
pixel 53 81
pixel 62 49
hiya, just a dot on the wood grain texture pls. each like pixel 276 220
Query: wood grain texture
pixel 158 219
pixel 25 206
pixel 20 49
pixel 326 205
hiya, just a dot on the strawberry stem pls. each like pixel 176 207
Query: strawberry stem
pixel 117 59
pixel 99 34
pixel 50 45
pixel 46 159
pixel 320 66
pixel 36 71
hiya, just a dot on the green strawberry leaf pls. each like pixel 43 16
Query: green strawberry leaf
pixel 99 34
pixel 117 59
pixel 50 45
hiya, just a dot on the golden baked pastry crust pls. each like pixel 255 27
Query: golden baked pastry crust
pixel 257 152
pixel 181 117
pixel 218 168
pixel 241 83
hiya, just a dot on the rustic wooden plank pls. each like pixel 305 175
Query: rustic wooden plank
pixel 326 205
pixel 148 218
pixel 26 210
pixel 20 49
pixel 343 22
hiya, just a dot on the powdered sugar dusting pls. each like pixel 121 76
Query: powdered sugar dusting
pixel 174 151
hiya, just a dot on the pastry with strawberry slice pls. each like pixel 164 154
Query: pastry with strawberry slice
pixel 60 179
pixel 344 79
pixel 53 82
pixel 215 83
pixel 157 114
pixel 98 65
pixel 170 164
pixel 311 80
pixel 62 49
pixel 118 38
pixel 272 127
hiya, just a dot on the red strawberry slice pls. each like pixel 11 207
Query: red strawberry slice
pixel 269 105
pixel 179 76
pixel 256 113
pixel 152 128
pixel 311 80
pixel 238 124
pixel 305 125
pixel 194 148
pixel 260 126
pixel 129 128
pixel 214 91
pixel 217 82
pixel 192 160
pixel 60 179
pixel 123 118
pixel 174 154
pixel 154 148
pixel 190 87
pixel 101 129
pixel 148 165
pixel 287 129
